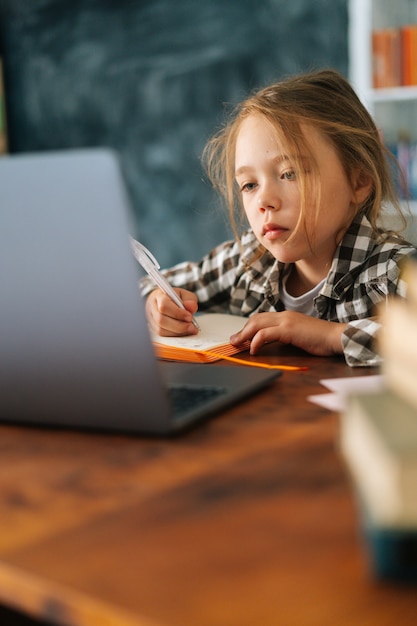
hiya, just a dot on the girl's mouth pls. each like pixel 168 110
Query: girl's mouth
pixel 273 231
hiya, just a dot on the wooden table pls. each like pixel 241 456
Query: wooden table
pixel 248 520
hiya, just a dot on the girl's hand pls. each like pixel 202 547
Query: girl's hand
pixel 165 318
pixel 315 336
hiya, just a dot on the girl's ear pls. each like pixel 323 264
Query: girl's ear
pixel 362 186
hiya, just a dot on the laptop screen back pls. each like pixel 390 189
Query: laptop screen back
pixel 74 345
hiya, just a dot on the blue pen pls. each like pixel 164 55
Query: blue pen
pixel 151 267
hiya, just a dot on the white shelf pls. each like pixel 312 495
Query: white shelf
pixel 394 109
pixel 362 15
pixel 360 48
pixel 393 94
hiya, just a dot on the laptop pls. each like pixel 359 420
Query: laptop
pixel 75 349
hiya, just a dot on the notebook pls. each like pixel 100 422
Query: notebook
pixel 75 349
pixel 210 344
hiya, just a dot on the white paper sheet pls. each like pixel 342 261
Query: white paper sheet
pixel 341 387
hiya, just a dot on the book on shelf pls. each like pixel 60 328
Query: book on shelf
pixel 386 56
pixel 409 54
pixel 405 151
pixel 394 54
pixel 210 344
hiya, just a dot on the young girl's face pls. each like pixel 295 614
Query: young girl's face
pixel 267 179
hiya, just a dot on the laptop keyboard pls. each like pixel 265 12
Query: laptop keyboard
pixel 184 397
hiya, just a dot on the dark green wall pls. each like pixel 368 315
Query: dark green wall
pixel 150 78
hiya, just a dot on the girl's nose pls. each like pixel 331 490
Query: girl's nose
pixel 268 201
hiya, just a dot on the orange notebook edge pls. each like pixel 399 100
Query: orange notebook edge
pixel 191 355
pixel 225 352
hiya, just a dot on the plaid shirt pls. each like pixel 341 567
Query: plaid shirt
pixel 364 271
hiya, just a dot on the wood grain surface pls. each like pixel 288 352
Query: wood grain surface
pixel 247 520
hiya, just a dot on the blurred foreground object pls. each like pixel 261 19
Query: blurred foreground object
pixel 378 439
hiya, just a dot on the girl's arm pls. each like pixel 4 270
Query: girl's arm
pixel 209 279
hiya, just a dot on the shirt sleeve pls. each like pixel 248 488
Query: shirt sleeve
pixel 359 341
pixel 210 279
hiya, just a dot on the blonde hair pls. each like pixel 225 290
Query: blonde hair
pixel 326 101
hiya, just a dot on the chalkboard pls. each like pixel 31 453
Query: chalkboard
pixel 150 78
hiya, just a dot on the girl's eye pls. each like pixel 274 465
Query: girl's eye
pixel 289 175
pixel 247 187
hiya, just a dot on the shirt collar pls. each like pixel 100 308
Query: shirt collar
pixel 355 247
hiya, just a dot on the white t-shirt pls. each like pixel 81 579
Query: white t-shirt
pixel 304 303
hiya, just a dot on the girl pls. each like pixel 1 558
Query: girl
pixel 304 161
